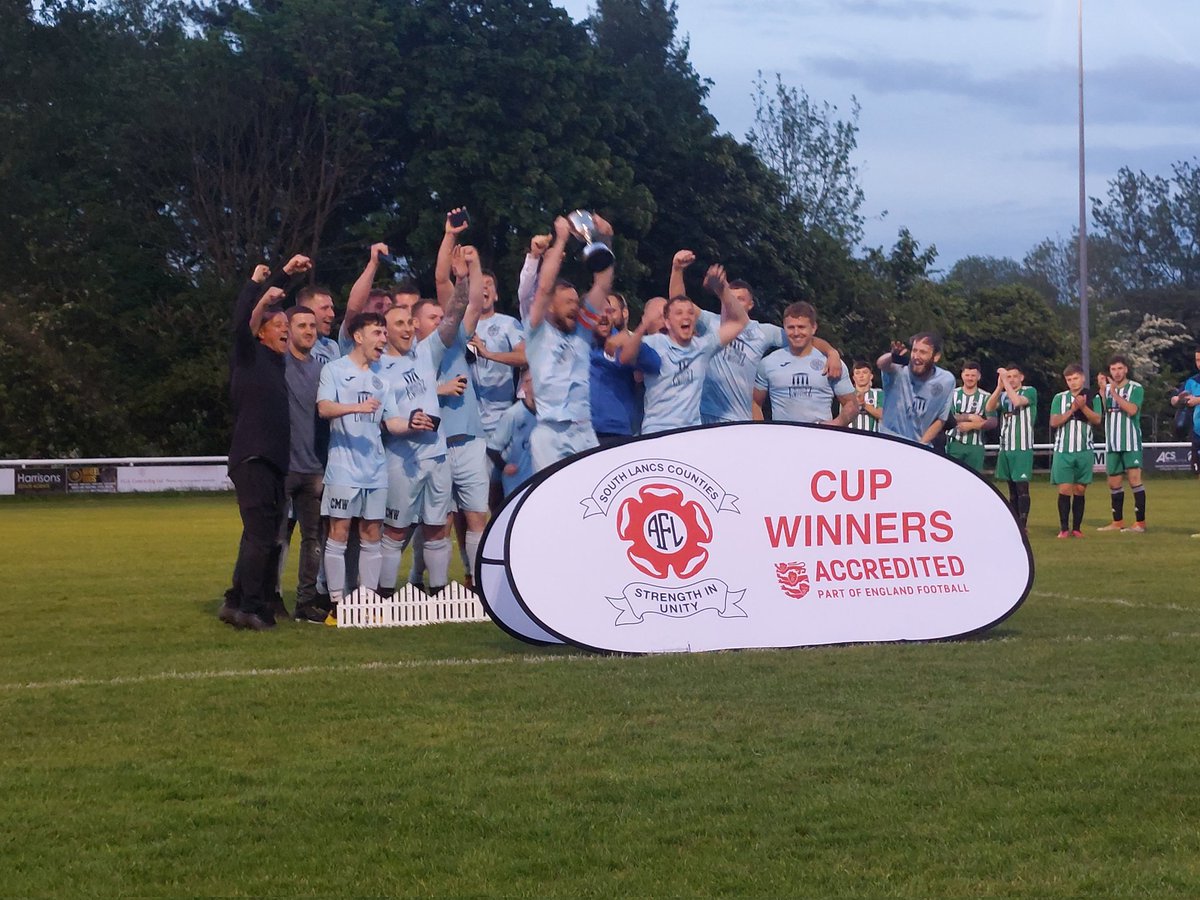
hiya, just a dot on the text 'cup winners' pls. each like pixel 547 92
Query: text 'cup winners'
pixel 596 254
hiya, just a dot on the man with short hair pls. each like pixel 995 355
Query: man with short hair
pixel 1073 412
pixel 258 451
pixel 420 480
pixel 615 401
pixel 673 393
pixel 1122 399
pixel 355 400
pixel 869 397
pixel 791 376
pixel 320 301
pixel 916 392
pixel 1016 406
pixel 364 296
pixel 970 417
pixel 558 343
pixel 306 467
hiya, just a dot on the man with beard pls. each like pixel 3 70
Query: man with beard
pixel 614 390
pixel 916 393
pixel 559 344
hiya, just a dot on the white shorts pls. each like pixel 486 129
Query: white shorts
pixel 341 502
pixel 470 474
pixel 418 491
pixel 551 441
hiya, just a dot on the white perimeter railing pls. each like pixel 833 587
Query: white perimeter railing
pixel 138 474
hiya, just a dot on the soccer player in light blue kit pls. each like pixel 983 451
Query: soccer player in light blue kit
pixel 673 392
pixel 419 477
pixel 792 377
pixel 558 342
pixel 355 399
pixel 917 394
pixel 729 384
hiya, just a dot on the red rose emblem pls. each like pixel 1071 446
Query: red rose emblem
pixel 665 530
pixel 793 579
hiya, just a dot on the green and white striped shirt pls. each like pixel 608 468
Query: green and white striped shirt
pixel 1123 432
pixel 1016 425
pixel 1074 435
pixel 969 404
pixel 863 420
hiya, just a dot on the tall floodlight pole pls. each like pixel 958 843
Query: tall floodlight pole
pixel 1084 329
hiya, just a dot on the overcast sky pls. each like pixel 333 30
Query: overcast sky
pixel 968 130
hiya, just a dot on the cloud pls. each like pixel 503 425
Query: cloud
pixel 908 10
pixel 1129 92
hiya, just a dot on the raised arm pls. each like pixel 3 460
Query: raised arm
pixel 733 314
pixel 551 264
pixel 527 284
pixel 361 289
pixel 894 359
pixel 441 272
pixel 271 297
pixel 596 299
pixel 466 300
pixel 679 265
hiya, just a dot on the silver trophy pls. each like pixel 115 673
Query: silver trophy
pixel 596 255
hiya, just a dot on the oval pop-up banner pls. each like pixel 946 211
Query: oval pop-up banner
pixel 763 535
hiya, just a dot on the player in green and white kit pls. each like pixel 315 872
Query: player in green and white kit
pixel 1072 413
pixel 1123 441
pixel 870 399
pixel 971 418
pixel 1017 407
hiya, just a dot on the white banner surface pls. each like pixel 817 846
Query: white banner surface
pixel 761 535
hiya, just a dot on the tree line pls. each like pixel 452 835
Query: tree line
pixel 156 150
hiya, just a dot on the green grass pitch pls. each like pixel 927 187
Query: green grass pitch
pixel 151 751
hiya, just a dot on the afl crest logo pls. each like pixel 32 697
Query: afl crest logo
pixel 666 532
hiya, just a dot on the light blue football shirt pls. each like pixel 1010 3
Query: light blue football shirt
pixel 493 381
pixel 672 397
pixel 460 415
pixel 911 405
pixel 356 456
pixel 326 350
pixel 798 390
pixel 729 385
pixel 413 379
pixel 559 363
pixel 510 439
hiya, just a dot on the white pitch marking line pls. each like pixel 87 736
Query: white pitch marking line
pixel 212 675
pixel 209 675
pixel 1114 601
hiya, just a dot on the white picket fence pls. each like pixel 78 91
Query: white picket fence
pixel 409 606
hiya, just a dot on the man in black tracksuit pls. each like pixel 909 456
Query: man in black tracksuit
pixel 258 453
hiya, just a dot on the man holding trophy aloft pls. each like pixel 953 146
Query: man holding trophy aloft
pixel 558 342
